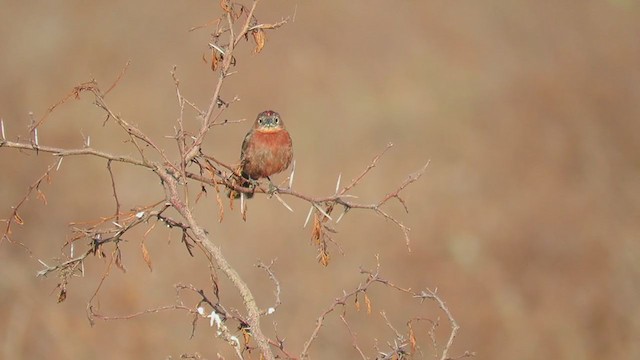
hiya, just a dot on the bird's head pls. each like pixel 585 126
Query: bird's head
pixel 268 121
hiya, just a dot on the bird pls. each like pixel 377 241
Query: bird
pixel 267 149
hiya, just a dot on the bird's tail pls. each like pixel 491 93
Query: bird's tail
pixel 242 180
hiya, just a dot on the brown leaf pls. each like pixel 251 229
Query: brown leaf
pixel 368 302
pixel 324 258
pixel 62 296
pixel 145 255
pixel 259 38
pixel 214 60
pixel 149 230
pixel 244 212
pixel 203 191
pixel 316 231
pixel 118 260
pixel 246 336
pixel 41 197
pixel 412 339
pixel 19 220
pixel 357 304
pixel 226 7
pixel 220 207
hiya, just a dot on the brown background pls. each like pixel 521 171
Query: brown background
pixel 526 221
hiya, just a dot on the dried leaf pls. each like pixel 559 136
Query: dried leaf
pixel 203 191
pixel 214 60
pixel 244 212
pixel 316 231
pixel 412 339
pixel 324 258
pixel 145 255
pixel 259 38
pixel 226 7
pixel 41 197
pixel 220 207
pixel 357 304
pixel 149 230
pixel 368 302
pixel 118 260
pixel 62 296
pixel 246 336
pixel 18 219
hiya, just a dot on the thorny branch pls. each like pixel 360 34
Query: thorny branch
pixel 401 342
pixel 237 22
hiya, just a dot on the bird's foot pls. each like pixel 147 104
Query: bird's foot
pixel 272 188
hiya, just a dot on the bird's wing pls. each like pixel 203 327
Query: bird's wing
pixel 245 145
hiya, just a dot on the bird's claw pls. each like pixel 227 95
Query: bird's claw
pixel 272 189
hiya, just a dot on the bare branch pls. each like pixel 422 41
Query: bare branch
pixel 276 283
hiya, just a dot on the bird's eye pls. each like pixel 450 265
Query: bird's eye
pixel 260 121
pixel 276 120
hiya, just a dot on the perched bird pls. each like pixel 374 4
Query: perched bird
pixel 266 150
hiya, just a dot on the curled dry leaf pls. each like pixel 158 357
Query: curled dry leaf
pixel 324 257
pixel 214 60
pixel 368 302
pixel 316 231
pixel 40 196
pixel 246 336
pixel 259 38
pixel 317 237
pixel 145 255
pixel 412 339
pixel 226 6
pixel 203 191
pixel 220 205
pixel 62 296
pixel 118 260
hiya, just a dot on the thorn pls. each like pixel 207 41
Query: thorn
pixel 293 171
pixel 308 217
pixel 59 163
pixel 214 46
pixel 295 12
pixel 341 215
pixel 338 182
pixel 71 250
pixel 282 202
pixel 35 136
pixel 348 196
pixel 2 128
pixel 322 211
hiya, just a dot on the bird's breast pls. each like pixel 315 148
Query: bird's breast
pixel 267 153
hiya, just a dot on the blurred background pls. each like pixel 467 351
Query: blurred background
pixel 526 221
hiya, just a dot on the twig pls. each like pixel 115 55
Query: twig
pixel 276 283
pixel 115 193
pixel 354 340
